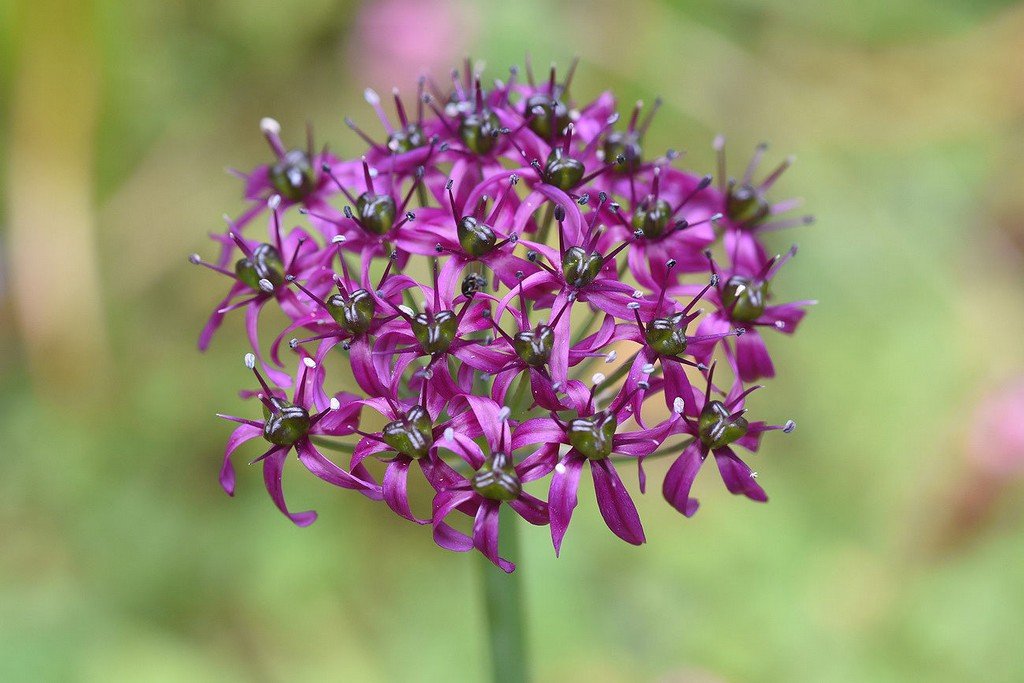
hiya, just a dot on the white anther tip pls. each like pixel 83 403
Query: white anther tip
pixel 789 427
pixel 250 360
pixel 339 239
pixel 266 285
pixel 270 126
pixel 678 405
pixel 504 413
pixel 274 201
pixel 449 434
pixel 611 356
pixel 309 362
pixel 647 369
pixel 597 378
pixel 195 259
pixel 335 403
pixel 371 96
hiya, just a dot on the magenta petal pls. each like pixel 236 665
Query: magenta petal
pixel 273 468
pixel 752 359
pixel 241 434
pixel 485 534
pixel 679 480
pixel 216 318
pixel 396 493
pixel 738 476
pixel 615 504
pixel 444 534
pixel 537 430
pixel 562 496
pixel 323 468
pixel 532 509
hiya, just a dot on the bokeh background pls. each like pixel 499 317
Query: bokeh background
pixel 892 549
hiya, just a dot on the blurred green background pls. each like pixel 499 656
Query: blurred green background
pixel 892 547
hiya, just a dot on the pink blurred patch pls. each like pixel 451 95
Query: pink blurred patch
pixel 396 40
pixel 996 442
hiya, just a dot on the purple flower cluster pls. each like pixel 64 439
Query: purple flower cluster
pixel 471 272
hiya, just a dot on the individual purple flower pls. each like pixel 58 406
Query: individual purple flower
pixel 748 213
pixel 378 220
pixel 259 276
pixel 496 479
pixel 411 435
pixel 470 237
pixel 408 144
pixel 741 297
pixel 291 424
pixel 593 436
pixel 715 425
pixel 669 220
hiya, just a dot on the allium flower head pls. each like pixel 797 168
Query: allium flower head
pixel 517 286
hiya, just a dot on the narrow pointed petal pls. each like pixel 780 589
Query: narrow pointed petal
pixel 615 504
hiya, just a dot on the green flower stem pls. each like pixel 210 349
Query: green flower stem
pixel 503 608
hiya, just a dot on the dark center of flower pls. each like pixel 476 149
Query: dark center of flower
pixel 580 267
pixel 435 333
pixel 476 237
pixel 534 346
pixel 593 435
pixel 745 204
pixel 355 313
pixel 264 264
pixel 562 171
pixel 479 131
pixel 538 109
pixel 473 283
pixel 497 479
pixel 406 139
pixel 666 337
pixel 293 176
pixel 627 145
pixel 651 217
pixel 412 434
pixel 287 424
pixel 376 212
pixel 716 428
pixel 745 297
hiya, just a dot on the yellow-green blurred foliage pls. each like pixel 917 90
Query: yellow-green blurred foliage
pixel 887 552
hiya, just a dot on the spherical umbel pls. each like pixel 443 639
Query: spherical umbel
pixel 717 428
pixel 592 436
pixel 412 434
pixel 293 175
pixel 746 298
